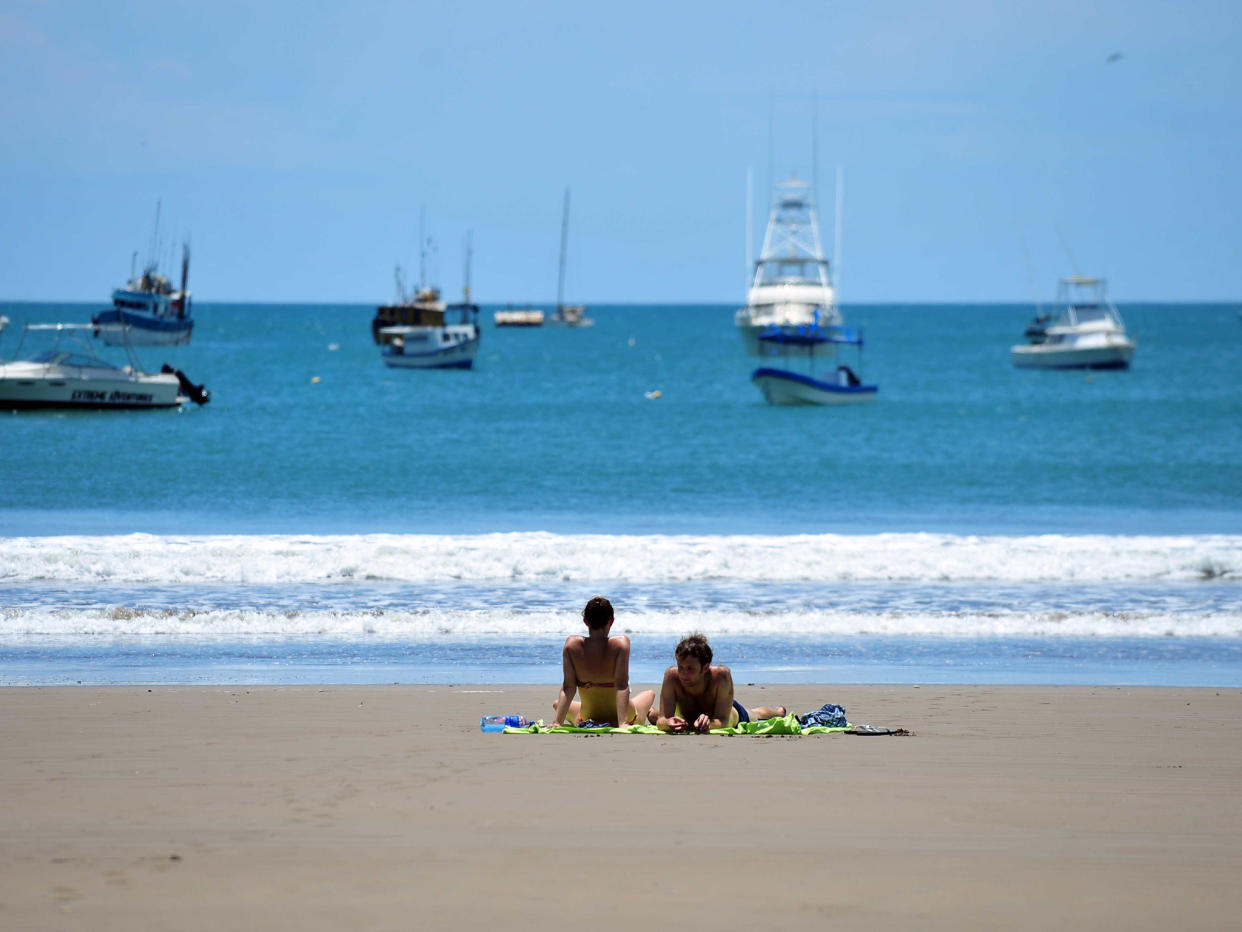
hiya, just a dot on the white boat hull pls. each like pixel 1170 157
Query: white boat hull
pixel 32 385
pixel 782 387
pixel 127 328
pixel 1111 354
pixel 451 347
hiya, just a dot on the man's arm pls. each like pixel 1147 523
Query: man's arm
pixel 722 708
pixel 667 721
pixel 569 685
pixel 621 676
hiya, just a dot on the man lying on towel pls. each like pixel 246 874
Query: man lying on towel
pixel 696 696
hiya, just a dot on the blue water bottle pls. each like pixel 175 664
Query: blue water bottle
pixel 501 722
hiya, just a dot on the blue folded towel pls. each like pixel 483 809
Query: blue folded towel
pixel 830 716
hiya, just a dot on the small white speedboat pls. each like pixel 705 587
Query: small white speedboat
pixel 69 374
pixel 1085 332
pixel 784 387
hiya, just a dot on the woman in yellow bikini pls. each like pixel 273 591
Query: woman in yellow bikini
pixel 597 669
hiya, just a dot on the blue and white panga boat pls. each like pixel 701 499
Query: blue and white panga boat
pixel 69 374
pixel 149 310
pixel 1085 331
pixel 783 386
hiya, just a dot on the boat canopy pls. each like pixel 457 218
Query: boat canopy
pixel 810 336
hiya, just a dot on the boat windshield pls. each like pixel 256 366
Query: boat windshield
pixel 64 358
pixel 1090 314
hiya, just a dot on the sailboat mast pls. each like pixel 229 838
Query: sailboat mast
pixel 466 279
pixel 422 249
pixel 560 277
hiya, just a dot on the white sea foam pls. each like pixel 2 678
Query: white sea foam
pixel 455 625
pixel 534 557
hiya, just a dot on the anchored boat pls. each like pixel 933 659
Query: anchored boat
pixel 782 385
pixel 1084 332
pixel 574 315
pixel 148 308
pixel 425 339
pixel 70 374
pixel 790 287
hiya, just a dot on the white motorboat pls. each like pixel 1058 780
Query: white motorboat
pixel 781 385
pixel 70 374
pixel 790 287
pixel 149 311
pixel 1084 332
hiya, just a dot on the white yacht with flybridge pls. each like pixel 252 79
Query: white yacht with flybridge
pixel 1085 331
pixel 790 287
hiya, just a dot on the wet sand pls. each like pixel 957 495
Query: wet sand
pixel 385 807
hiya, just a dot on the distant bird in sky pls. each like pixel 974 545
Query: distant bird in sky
pixel 1116 56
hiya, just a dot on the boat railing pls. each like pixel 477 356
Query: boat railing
pixel 76 331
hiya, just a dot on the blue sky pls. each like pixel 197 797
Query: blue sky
pixel 988 147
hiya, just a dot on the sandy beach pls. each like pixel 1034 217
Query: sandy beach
pixel 323 808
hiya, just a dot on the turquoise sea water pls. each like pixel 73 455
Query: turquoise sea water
pixel 327 519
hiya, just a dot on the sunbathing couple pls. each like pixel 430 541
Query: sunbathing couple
pixel 694 697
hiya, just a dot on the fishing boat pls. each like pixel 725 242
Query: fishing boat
pixel 149 311
pixel 425 339
pixel 573 315
pixel 789 287
pixel 812 345
pixel 70 374
pixel 1085 331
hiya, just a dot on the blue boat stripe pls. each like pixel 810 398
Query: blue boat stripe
pixel 814 383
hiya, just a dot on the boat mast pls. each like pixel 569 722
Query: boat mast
pixel 815 148
pixel 750 226
pixel 560 278
pixel 466 279
pixel 838 227
pixel 422 249
pixel 152 254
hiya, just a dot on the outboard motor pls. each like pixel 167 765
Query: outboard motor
pixel 196 393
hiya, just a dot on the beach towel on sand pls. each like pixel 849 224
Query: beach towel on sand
pixel 786 725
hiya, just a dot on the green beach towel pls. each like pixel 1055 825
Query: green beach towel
pixel 785 725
